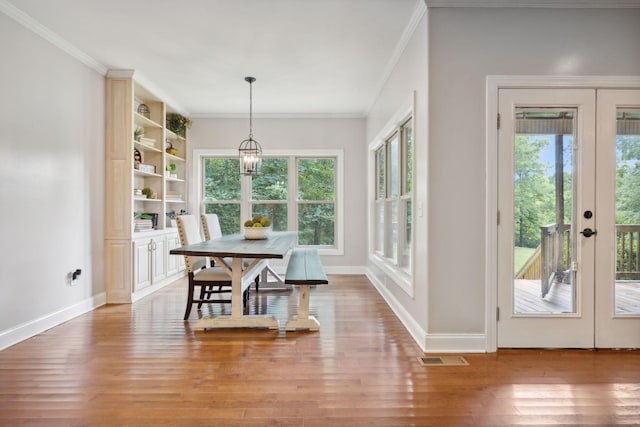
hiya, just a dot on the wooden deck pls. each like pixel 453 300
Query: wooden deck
pixel 558 300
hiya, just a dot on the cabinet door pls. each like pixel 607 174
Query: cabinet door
pixel 159 261
pixel 173 261
pixel 141 264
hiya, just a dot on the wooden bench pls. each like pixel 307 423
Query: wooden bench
pixel 304 270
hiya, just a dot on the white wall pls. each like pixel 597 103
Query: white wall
pixel 466 45
pixel 305 133
pixel 410 75
pixel 51 183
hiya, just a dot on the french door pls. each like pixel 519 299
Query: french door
pixel 569 218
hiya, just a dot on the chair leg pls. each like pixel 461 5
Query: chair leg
pixel 257 280
pixel 189 297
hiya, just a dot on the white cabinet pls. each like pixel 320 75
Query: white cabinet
pixel 152 264
pixel 142 264
pixel 175 263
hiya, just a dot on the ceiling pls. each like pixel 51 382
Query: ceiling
pixel 310 57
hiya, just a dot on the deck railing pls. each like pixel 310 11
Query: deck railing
pixel 555 253
pixel 550 261
pixel 627 253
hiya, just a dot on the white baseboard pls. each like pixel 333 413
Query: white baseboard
pixel 430 343
pixel 31 328
pixel 414 329
pixel 456 343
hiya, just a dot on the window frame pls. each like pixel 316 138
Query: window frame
pixel 398 274
pixel 292 201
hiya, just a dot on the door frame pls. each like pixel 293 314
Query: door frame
pixel 493 84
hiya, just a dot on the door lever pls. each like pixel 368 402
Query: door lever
pixel 587 232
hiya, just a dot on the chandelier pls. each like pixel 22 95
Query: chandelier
pixel 250 151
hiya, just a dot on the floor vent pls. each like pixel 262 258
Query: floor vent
pixel 443 361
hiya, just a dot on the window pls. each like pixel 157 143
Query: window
pixel 393 227
pixel 221 188
pixel 297 192
pixel 316 201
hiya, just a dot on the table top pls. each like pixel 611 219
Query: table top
pixel 236 246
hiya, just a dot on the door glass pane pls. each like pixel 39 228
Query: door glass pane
pixel 543 207
pixel 627 280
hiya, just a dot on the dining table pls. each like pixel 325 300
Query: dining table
pixel 243 259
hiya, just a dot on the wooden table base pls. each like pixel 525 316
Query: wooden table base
pixel 220 322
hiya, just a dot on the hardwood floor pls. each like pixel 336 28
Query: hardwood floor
pixel 140 364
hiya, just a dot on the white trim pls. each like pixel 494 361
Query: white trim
pixel 34 327
pixel 577 4
pixel 290 115
pixel 455 343
pixel 493 84
pixel 418 334
pixel 32 24
pixel 338 154
pixel 138 295
pixel 418 13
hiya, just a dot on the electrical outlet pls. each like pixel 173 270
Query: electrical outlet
pixel 73 278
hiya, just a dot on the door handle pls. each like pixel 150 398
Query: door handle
pixel 587 232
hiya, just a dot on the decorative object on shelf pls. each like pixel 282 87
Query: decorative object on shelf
pixel 137 158
pixel 168 145
pixel 170 169
pixel 137 192
pixel 145 221
pixel 142 167
pixel 137 134
pixel 144 110
pixel 177 123
pixel 250 151
pixel 147 192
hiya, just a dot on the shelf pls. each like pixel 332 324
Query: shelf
pixel 174 201
pixel 174 179
pixel 172 135
pixel 174 158
pixel 146 174
pixel 143 121
pixel 144 199
pixel 144 147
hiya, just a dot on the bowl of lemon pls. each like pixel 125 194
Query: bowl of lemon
pixel 257 228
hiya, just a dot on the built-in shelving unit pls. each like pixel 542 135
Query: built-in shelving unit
pixel 145 183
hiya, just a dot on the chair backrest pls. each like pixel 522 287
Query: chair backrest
pixel 210 226
pixel 189 232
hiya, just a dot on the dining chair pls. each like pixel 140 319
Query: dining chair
pixel 210 280
pixel 211 230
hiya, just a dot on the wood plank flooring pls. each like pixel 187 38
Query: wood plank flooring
pixel 140 364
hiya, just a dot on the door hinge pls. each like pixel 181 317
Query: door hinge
pixel 498 122
pixel 498 218
pixel 497 313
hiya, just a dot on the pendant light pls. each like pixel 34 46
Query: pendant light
pixel 250 151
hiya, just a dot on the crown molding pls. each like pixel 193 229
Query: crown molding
pixel 418 13
pixel 573 4
pixel 31 24
pixel 278 116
